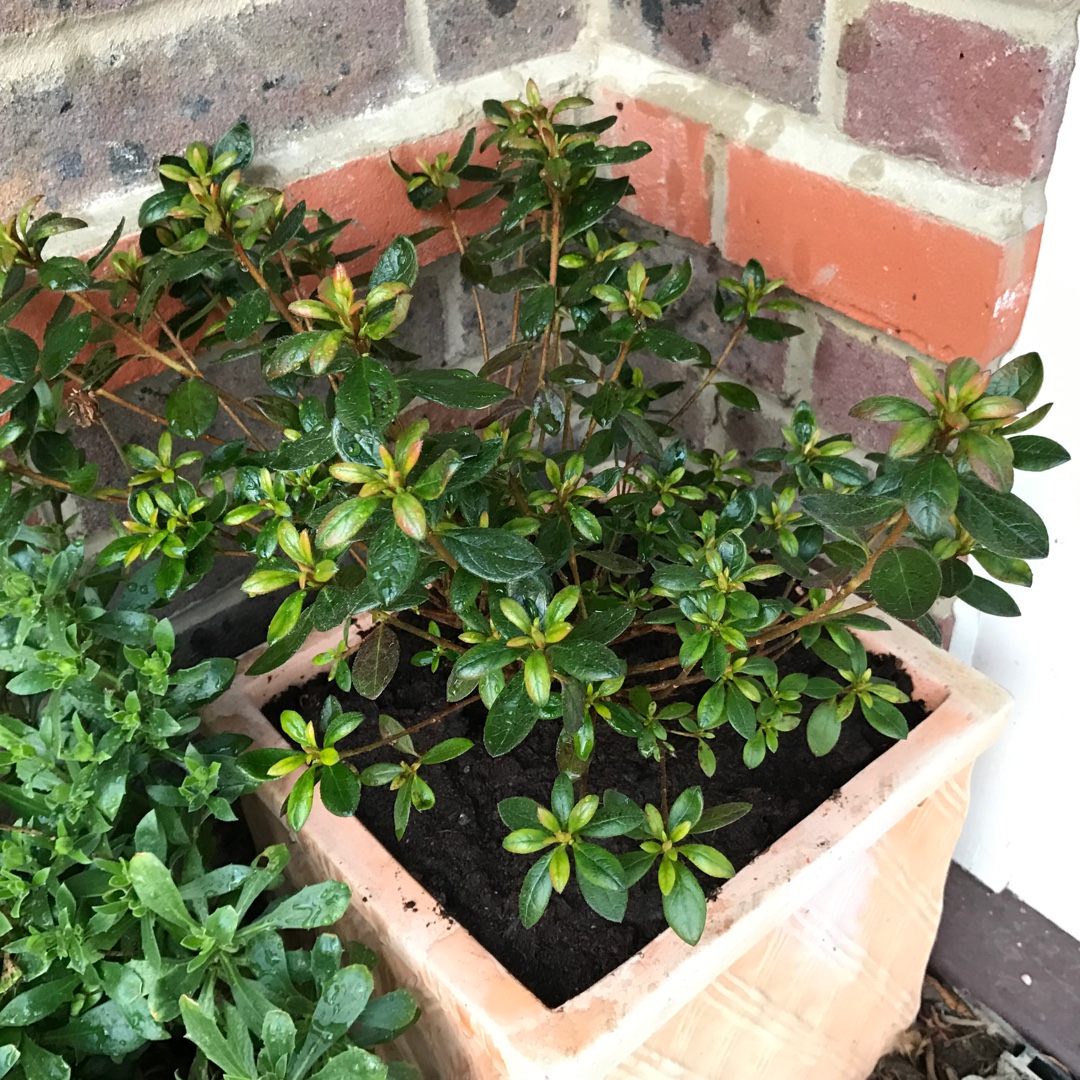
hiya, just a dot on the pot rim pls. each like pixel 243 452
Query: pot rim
pixel 608 1020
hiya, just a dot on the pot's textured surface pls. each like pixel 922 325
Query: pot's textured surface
pixel 822 995
pixel 810 963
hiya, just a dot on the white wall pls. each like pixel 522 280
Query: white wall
pixel 1024 829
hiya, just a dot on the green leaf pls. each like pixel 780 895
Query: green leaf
pixel 587 660
pixel 38 1002
pixel 1020 378
pixel 742 397
pixel 823 728
pixel 385 1018
pixel 671 346
pixel 1001 521
pixel 771 329
pixel 339 789
pixel 848 511
pixel 598 866
pixel 368 397
pixel 684 906
pixel 156 890
pixel 375 662
pixel 609 904
pixel 250 312
pixel 393 559
pixel 955 576
pixel 63 343
pixel 287 229
pixel 537 311
pixel 345 521
pixel 689 806
pixel 494 554
pixel 198 685
pixel 204 1033
pixel 353 1064
pixel 674 285
pixel 601 198
pixel 930 491
pixel 447 750
pixel 191 408
pixel 708 860
pixel 238 139
pixel 906 582
pixel 455 387
pixel 535 891
pixel 18 355
pixel 885 717
pixel 291 352
pixel 64 274
pixel 717 817
pixel 1035 453
pixel 641 434
pixel 984 595
pixel 1011 571
pixel 512 716
pixel 313 906
pixel 301 799
pixel 888 407
pixel 397 263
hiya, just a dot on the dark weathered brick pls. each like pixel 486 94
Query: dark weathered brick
pixel 974 100
pixel 472 37
pixel 847 370
pixel 19 16
pixel 772 47
pixel 285 67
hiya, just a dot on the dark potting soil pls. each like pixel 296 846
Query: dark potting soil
pixel 455 849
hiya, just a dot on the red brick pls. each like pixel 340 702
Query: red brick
pixel 673 183
pixel 944 290
pixel 971 99
pixel 847 370
pixel 368 191
pixel 772 47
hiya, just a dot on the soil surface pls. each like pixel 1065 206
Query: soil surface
pixel 455 849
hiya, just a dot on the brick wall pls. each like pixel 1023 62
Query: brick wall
pixel 887 158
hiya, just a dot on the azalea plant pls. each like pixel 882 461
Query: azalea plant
pixel 534 546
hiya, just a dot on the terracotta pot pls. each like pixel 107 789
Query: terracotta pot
pixel 811 961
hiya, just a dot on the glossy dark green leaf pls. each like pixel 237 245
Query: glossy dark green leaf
pixel 771 330
pixel 191 409
pixel 1020 378
pixel 38 1002
pixel 642 434
pixel 983 594
pixel 742 397
pixel 955 575
pixel 930 492
pixel 393 559
pixel 1035 453
pixel 684 906
pixel 18 355
pixel 674 285
pixel 847 511
pixel 602 626
pixel 398 262
pixel 454 387
pixel 510 719
pixel 906 582
pixel 537 311
pixel 198 685
pixel 494 554
pixel 63 343
pixel 239 140
pixel 339 789
pixel 888 407
pixel 385 1018
pixel 64 274
pixel 1001 521
pixel 672 346
pixel 601 198
pixel 250 312
pixel 587 660
pixel 287 229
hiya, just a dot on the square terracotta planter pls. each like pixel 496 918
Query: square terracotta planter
pixel 811 961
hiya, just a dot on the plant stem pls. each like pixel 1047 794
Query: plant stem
pixel 59 485
pixel 475 295
pixel 663 787
pixel 440 549
pixel 190 361
pixel 896 533
pixel 256 276
pixel 416 631
pixel 442 715
pixel 739 330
